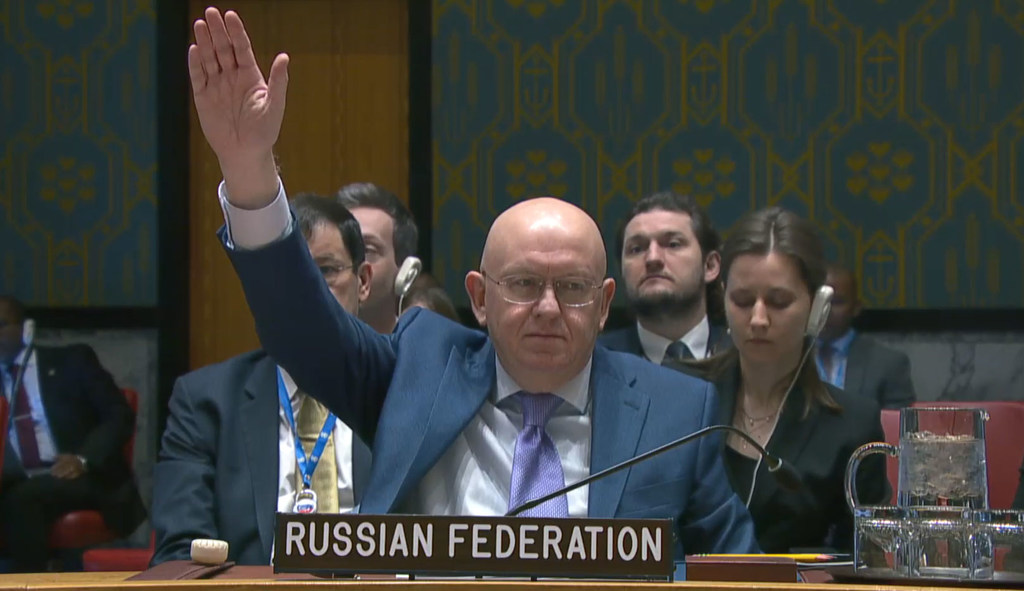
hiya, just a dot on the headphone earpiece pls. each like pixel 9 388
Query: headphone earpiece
pixel 820 307
pixel 407 273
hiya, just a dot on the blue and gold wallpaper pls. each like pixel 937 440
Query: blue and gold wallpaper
pixel 78 152
pixel 896 125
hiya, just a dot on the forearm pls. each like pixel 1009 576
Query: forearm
pixel 251 179
pixel 306 331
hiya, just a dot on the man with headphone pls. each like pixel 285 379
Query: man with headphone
pixel 390 234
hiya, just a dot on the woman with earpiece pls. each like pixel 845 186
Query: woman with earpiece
pixel 773 265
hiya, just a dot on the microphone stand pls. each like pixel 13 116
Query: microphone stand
pixel 774 465
pixel 18 379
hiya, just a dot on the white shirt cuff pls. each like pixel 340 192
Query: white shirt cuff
pixel 249 229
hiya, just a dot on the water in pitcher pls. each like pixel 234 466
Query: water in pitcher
pixel 942 470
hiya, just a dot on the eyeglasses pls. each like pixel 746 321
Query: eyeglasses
pixel 527 289
pixel 332 273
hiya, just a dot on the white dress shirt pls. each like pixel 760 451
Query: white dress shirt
pixel 696 340
pixel 473 476
pixel 287 477
pixel 44 438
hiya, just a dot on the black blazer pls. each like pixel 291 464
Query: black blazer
pixel 818 446
pixel 878 372
pixel 627 340
pixel 217 472
pixel 90 417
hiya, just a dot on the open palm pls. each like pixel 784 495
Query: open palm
pixel 240 112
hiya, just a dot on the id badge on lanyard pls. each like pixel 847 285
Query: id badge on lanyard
pixel 305 499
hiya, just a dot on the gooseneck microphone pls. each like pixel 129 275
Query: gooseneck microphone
pixel 786 475
pixel 28 335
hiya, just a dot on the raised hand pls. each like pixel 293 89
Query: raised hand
pixel 240 112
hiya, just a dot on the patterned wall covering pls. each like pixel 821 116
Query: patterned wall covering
pixel 896 125
pixel 78 152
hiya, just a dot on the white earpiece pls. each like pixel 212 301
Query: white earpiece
pixel 820 308
pixel 407 273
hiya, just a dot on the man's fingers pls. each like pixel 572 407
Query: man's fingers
pixel 239 40
pixel 196 72
pixel 205 46
pixel 277 85
pixel 223 51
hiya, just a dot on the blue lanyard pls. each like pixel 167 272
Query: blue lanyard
pixel 306 465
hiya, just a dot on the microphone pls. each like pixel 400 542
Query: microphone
pixel 28 334
pixel 786 475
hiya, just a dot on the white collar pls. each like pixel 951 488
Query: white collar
pixel 576 391
pixel 696 341
pixel 293 390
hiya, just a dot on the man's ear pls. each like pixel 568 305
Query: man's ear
pixel 476 287
pixel 365 275
pixel 607 293
pixel 712 266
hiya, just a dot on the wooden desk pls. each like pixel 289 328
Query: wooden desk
pixel 116 582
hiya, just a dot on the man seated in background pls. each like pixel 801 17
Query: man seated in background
pixel 855 362
pixel 390 234
pixel 221 472
pixel 463 423
pixel 670 264
pixel 69 423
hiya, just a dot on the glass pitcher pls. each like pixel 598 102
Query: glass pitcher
pixel 941 458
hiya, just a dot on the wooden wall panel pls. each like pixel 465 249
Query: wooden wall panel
pixel 346 120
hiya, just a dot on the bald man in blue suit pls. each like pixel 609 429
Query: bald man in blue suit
pixel 443 404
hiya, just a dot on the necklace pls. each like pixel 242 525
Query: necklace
pixel 752 422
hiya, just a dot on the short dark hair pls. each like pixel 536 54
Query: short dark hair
pixel 312 210
pixel 406 235
pixel 707 238
pixel 17 308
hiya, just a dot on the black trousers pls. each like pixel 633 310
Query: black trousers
pixel 28 508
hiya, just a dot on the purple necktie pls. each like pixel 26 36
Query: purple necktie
pixel 536 467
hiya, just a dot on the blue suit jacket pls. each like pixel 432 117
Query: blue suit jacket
pixel 414 391
pixel 217 472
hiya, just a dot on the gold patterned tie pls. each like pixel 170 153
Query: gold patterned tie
pixel 325 478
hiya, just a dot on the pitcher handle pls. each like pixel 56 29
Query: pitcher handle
pixel 859 454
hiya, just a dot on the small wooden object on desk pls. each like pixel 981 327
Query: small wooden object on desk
pixel 741 567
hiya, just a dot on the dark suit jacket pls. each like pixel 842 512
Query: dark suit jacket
pixel 627 340
pixel 878 372
pixel 818 446
pixel 414 391
pixel 89 416
pixel 217 473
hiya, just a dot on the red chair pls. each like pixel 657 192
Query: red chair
pixel 81 529
pixel 1004 446
pixel 119 559
pixel 891 427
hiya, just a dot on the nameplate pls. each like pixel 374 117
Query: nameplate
pixel 496 546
